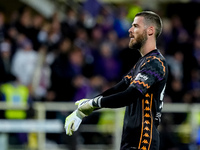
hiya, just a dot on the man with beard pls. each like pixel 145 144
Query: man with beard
pixel 141 90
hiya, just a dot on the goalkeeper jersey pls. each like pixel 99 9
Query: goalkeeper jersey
pixel 148 76
pixel 142 92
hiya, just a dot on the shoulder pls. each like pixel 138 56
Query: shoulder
pixel 155 62
pixel 156 57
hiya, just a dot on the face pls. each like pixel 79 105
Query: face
pixel 137 33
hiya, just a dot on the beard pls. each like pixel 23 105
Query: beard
pixel 138 42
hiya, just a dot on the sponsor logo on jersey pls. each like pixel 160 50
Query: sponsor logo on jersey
pixel 141 77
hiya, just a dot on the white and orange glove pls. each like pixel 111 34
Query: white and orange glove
pixel 85 108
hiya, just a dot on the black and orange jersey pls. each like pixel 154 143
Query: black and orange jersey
pixel 149 76
pixel 142 92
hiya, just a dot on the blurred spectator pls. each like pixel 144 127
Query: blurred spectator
pixel 76 61
pixel 12 35
pixel 62 73
pixel 5 61
pixel 106 18
pixel 24 61
pixel 2 27
pixel 16 94
pixel 96 38
pixel 37 24
pixel 42 36
pixel 166 37
pixel 196 49
pixel 14 16
pixel 98 84
pixel 194 85
pixel 112 39
pixel 69 23
pixel 81 40
pixel 122 24
pixel 106 64
pixel 92 7
pixel 180 37
pixel 24 22
pixel 88 87
pixel 54 35
pixel 175 63
pixel 178 30
pixel 85 20
pixel 82 87
pixel 176 91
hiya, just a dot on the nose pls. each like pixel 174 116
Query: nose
pixel 130 30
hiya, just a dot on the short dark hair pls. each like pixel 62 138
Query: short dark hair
pixel 152 18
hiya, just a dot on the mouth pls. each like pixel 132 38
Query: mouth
pixel 131 36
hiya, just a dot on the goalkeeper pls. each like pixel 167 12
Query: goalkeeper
pixel 141 90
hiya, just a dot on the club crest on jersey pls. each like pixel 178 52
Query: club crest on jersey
pixel 141 77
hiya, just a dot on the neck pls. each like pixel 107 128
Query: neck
pixel 148 47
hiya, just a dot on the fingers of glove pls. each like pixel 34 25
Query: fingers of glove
pixel 69 119
pixel 76 124
pixel 69 122
pixel 80 101
pixel 77 103
pixel 72 123
pixel 68 129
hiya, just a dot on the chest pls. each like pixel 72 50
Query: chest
pixel 136 69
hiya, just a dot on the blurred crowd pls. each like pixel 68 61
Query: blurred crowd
pixel 66 59
pixel 86 52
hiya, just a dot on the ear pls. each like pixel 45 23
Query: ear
pixel 150 31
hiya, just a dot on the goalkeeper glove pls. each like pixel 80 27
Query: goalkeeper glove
pixel 72 122
pixel 86 106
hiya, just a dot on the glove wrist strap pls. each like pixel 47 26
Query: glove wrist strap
pixel 97 101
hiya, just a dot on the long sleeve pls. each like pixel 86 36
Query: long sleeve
pixel 121 99
pixel 119 87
